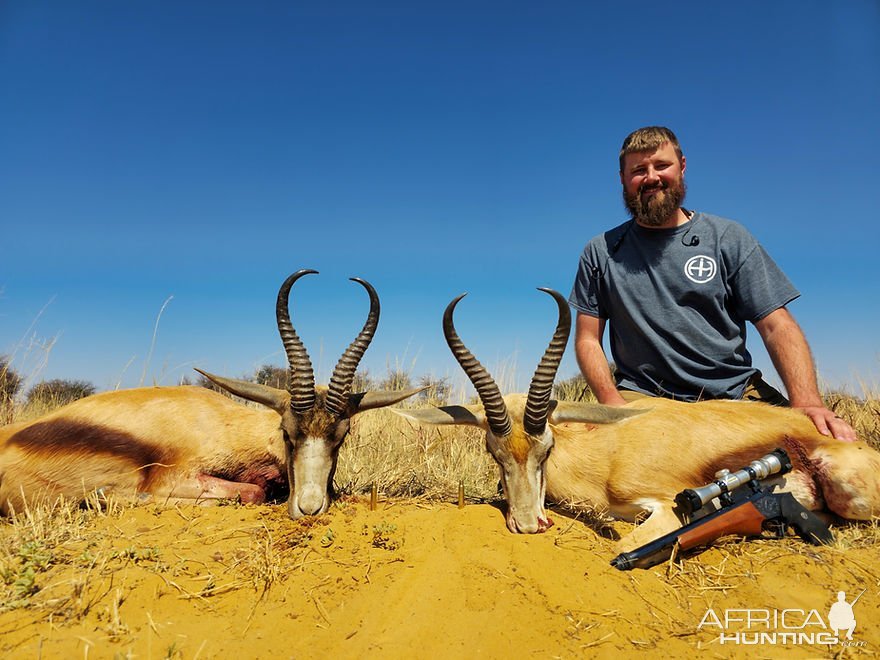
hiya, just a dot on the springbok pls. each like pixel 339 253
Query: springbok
pixel 189 443
pixel 632 460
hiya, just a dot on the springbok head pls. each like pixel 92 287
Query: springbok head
pixel 314 420
pixel 518 428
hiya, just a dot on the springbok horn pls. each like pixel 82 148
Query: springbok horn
pixel 343 374
pixel 490 395
pixel 302 376
pixel 541 387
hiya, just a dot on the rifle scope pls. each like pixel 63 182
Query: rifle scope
pixel 692 499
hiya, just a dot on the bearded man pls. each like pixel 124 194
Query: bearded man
pixel 677 288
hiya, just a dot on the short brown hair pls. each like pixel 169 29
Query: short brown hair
pixel 648 139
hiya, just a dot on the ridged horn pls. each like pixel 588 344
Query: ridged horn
pixel 541 387
pixel 490 395
pixel 343 374
pixel 302 376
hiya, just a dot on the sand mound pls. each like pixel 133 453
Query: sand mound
pixel 414 579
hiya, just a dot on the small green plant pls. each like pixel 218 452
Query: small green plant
pixel 328 538
pixel 20 572
pixel 382 536
pixel 139 555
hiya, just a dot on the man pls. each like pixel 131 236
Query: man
pixel 678 287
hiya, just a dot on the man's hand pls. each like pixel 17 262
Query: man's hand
pixel 791 356
pixel 828 423
pixel 612 398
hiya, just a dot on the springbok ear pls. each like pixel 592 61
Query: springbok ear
pixel 277 400
pixel 590 413
pixel 446 415
pixel 358 403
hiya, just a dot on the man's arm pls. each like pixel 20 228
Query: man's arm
pixel 592 360
pixel 793 361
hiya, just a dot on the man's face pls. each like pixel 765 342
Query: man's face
pixel 653 185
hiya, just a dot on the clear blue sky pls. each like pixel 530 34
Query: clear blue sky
pixel 205 150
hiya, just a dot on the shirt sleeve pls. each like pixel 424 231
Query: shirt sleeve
pixel 760 286
pixel 585 291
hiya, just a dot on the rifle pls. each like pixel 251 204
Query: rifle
pixel 745 507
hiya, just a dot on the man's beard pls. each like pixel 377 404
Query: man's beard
pixel 659 207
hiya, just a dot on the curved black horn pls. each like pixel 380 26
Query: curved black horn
pixel 302 376
pixel 541 387
pixel 343 374
pixel 490 395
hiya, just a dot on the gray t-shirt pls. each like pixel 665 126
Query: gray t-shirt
pixel 677 301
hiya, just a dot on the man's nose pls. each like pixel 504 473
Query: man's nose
pixel 651 175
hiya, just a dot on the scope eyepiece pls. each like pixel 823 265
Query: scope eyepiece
pixel 688 501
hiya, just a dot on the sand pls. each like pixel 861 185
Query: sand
pixel 416 579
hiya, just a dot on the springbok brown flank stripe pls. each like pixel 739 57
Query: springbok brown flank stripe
pixel 74 437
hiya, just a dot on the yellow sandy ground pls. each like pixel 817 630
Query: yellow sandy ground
pixel 415 580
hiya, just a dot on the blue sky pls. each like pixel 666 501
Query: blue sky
pixel 202 151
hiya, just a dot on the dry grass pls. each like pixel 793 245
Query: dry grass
pixel 405 459
pixel 61 560
pixel 863 413
pixel 39 539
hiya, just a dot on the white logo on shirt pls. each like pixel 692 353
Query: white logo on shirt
pixel 700 269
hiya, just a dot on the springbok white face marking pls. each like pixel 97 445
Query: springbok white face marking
pixel 521 465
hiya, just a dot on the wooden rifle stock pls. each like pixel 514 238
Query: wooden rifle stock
pixel 743 519
pixel 746 516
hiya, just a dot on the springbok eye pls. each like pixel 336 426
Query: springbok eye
pixel 290 430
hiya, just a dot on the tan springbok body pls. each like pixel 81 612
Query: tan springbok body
pixel 192 444
pixel 632 460
pixel 150 444
pixel 638 466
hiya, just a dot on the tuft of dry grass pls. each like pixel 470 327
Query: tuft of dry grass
pixel 405 459
pixel 863 413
